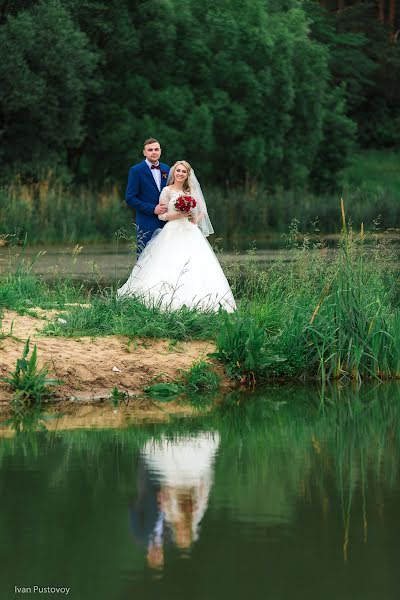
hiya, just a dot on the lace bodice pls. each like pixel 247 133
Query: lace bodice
pixel 169 196
pixel 198 213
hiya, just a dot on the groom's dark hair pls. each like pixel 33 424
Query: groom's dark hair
pixel 150 141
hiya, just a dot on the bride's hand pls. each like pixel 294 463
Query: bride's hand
pixel 195 218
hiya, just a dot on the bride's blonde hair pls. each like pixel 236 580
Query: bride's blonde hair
pixel 186 185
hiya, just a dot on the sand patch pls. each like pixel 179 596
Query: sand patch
pixel 91 367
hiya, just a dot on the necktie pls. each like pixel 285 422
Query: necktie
pixel 155 167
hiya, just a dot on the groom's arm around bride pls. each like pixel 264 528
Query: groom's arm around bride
pixel 146 181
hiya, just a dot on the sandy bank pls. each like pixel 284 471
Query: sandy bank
pixel 91 367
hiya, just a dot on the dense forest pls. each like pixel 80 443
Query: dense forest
pixel 273 91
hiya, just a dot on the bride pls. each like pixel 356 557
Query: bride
pixel 178 266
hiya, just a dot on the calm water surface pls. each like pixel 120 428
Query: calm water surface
pixel 268 497
pixel 110 263
pixel 106 262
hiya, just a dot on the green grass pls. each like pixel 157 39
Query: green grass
pixel 21 290
pixel 50 213
pixel 375 169
pixel 323 314
pixel 108 316
pixel 29 383
pixel 201 379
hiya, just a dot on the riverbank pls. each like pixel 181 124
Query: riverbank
pixel 90 368
pixel 313 314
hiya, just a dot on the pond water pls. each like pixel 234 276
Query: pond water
pixel 105 262
pixel 269 496
pixel 109 263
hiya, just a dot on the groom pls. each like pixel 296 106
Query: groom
pixel 146 180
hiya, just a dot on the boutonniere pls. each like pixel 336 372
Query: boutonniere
pixel 164 174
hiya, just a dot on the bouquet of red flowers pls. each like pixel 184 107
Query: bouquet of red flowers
pixel 185 203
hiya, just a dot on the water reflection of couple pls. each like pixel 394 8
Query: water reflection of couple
pixel 174 482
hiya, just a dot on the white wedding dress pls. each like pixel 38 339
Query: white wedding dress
pixel 179 268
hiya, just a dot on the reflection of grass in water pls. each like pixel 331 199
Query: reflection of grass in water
pixel 289 448
pixel 280 450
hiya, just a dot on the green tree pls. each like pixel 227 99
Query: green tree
pixel 364 60
pixel 133 43
pixel 43 87
pixel 239 87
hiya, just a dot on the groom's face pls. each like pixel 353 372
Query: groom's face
pixel 152 152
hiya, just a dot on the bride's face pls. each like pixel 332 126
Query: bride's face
pixel 181 173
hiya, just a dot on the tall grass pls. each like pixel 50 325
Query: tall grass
pixel 314 313
pixel 108 316
pixel 325 314
pixel 50 212
pixel 22 290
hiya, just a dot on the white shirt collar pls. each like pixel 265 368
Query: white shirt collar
pixel 149 163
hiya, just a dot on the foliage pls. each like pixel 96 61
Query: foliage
pixel 117 396
pixel 313 312
pixel 364 58
pixel 243 347
pixel 22 290
pixel 29 383
pixel 371 187
pixel 200 378
pixel 164 391
pixel 45 83
pixel 257 87
pixel 350 332
pixel 326 314
pixel 106 316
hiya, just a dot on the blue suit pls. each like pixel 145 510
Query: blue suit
pixel 142 194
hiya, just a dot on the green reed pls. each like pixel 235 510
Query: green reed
pixel 50 211
pixel 315 312
pixel 326 314
pixel 29 382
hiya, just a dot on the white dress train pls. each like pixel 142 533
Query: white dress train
pixel 179 268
